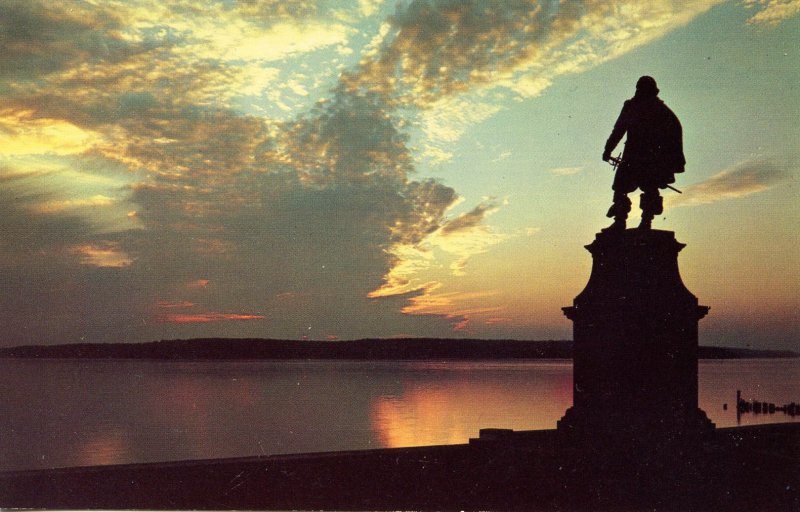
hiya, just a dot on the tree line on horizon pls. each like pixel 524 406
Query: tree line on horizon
pixel 364 349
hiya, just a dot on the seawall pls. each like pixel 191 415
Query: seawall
pixel 739 468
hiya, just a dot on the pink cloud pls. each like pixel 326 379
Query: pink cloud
pixel 203 318
pixel 165 304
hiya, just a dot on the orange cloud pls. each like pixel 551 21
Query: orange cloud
pixel 462 326
pixel 460 307
pixel 204 318
pixel 497 321
pixel 178 305
pixel 451 304
pixel 53 206
pixel 23 134
pixel 102 254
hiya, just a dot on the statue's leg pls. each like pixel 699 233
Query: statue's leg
pixel 652 204
pixel 619 211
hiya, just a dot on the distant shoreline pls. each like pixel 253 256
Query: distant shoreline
pixel 222 349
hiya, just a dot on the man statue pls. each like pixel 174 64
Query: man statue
pixel 653 154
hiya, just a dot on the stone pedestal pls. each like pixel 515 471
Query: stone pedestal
pixel 635 343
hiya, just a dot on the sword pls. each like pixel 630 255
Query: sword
pixel 615 162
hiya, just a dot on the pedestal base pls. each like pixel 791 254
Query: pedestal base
pixel 635 426
pixel 635 353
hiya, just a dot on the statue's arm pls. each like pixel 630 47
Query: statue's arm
pixel 620 127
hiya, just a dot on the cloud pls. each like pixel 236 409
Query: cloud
pixel 459 239
pixel 178 53
pixel 773 12
pixel 204 318
pixel 462 308
pixel 467 236
pixel 451 61
pixel 408 261
pixel 600 32
pixel 276 9
pixel 41 37
pixel 174 305
pixel 140 168
pixel 64 204
pixel 435 155
pixel 102 253
pixel 27 234
pixel 438 49
pixel 21 134
pixel 59 288
pixel 470 220
pixel 298 218
pixel 249 42
pixel 435 50
pixel 741 180
pixel 368 7
pixel 349 138
pixel 445 303
pixel 233 213
pixel 449 118
pixel 70 185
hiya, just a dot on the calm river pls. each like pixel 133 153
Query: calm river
pixel 57 413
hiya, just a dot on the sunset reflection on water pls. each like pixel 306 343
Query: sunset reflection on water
pixel 113 447
pixel 449 407
pixel 57 413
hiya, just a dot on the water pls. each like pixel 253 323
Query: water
pixel 59 413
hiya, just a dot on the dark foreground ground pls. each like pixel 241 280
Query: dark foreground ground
pixel 747 468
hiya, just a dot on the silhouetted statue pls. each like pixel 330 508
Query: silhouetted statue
pixel 653 153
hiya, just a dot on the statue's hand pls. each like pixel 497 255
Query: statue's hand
pixel 606 155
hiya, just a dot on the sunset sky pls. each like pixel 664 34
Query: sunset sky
pixel 340 169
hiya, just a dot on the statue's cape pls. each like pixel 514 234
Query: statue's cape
pixel 654 144
pixel 654 133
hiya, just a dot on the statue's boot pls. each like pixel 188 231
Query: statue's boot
pixel 617 225
pixel 652 204
pixel 619 211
